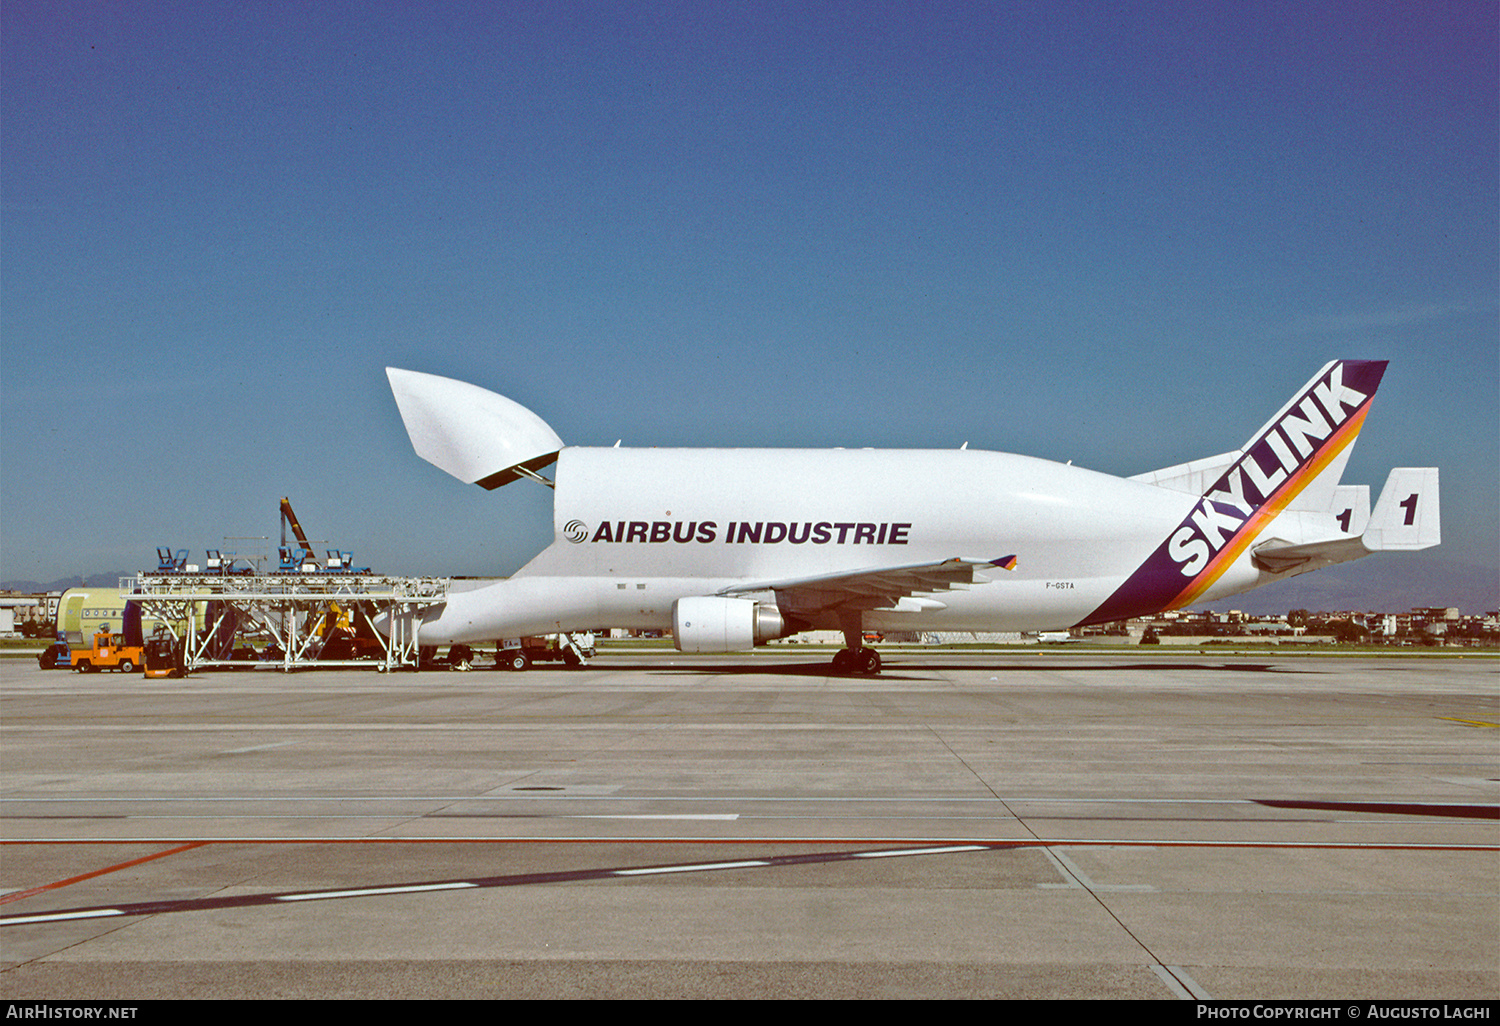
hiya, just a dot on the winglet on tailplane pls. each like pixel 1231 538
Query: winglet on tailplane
pixel 1407 516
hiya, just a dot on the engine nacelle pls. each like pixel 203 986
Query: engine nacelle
pixel 709 624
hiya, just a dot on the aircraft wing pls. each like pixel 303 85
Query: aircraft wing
pixel 903 588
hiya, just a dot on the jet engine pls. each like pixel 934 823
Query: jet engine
pixel 710 624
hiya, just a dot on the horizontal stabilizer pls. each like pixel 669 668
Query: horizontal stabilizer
pixel 1323 539
pixel 470 432
pixel 1405 518
pixel 1279 556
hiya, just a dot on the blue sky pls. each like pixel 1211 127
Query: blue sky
pixel 1121 234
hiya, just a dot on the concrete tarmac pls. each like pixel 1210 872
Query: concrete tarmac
pixel 1008 823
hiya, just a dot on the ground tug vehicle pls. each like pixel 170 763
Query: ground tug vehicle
pixel 108 652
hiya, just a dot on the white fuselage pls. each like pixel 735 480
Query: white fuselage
pixel 637 529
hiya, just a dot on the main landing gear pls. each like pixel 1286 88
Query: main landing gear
pixel 856 658
pixel 863 661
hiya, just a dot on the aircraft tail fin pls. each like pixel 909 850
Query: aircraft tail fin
pixel 1295 436
pixel 470 432
pixel 1293 462
pixel 1313 435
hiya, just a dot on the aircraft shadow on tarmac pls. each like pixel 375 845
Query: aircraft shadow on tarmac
pixel 895 671
pixel 1454 810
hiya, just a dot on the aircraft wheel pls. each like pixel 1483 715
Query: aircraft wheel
pixel 869 661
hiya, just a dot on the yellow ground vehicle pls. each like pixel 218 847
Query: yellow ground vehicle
pixel 109 652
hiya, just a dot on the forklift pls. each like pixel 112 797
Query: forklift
pixel 163 655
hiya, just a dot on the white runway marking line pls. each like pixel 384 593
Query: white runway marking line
pixel 1184 986
pixel 57 917
pixel 705 866
pixel 990 842
pixel 920 851
pixel 371 891
pixel 690 869
pixel 715 816
pixel 260 748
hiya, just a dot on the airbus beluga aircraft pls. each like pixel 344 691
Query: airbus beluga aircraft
pixel 730 548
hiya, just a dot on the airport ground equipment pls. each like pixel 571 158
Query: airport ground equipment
pixel 323 619
pixel 38 628
pixel 218 563
pixel 457 657
pixel 343 562
pixel 55 657
pixel 570 649
pixel 299 559
pixel 107 652
pixel 169 562
pixel 163 656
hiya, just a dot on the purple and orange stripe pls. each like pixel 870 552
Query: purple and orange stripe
pixel 1272 508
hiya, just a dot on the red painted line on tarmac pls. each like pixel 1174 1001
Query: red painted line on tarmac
pixel 18 895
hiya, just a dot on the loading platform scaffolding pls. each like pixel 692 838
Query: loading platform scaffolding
pixel 211 615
